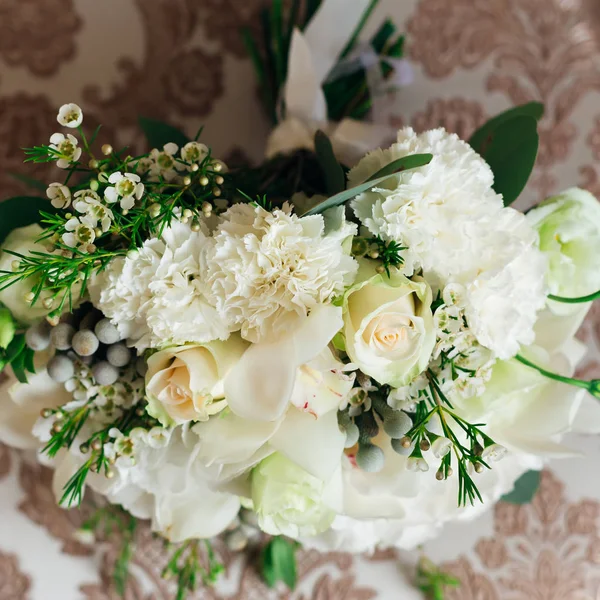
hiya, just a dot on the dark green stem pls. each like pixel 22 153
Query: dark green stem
pixel 579 300
pixel 593 386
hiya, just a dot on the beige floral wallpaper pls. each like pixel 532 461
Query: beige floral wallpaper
pixel 183 61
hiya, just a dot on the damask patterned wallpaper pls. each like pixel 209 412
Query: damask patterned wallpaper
pixel 183 61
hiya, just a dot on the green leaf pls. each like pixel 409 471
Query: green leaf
pixel 335 180
pixel 30 181
pixel 525 488
pixel 279 562
pixel 402 164
pixel 20 212
pixel 15 348
pixel 481 137
pixel 29 361
pixel 158 133
pixel 8 328
pixel 511 151
pixel 18 367
pixel 359 28
pixel 413 161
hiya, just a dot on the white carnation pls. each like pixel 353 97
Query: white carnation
pixel 269 268
pixel 157 295
pixel 457 230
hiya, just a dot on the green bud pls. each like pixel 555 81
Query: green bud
pixel 7 328
pixel 594 388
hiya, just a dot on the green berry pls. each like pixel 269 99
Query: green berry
pixel 104 373
pixel 118 355
pixel 397 424
pixel 60 368
pixel 352 435
pixel 370 458
pixel 37 337
pixel 85 342
pixel 107 332
pixel 61 336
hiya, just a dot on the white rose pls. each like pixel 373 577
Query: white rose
pixel 569 234
pixel 22 241
pixel 187 383
pixel 290 501
pixel 388 325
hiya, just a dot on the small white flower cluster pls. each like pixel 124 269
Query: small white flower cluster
pixel 123 394
pixel 165 165
pixel 459 360
pixel 66 147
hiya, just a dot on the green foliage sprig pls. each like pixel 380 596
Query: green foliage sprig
pixel 193 563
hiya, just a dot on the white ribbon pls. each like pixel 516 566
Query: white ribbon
pixel 312 58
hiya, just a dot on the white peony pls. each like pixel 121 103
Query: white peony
pixel 268 270
pixel 456 229
pixel 20 406
pixel 165 484
pixel 157 295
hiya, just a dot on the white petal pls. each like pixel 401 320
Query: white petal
pixel 170 148
pixel 244 438
pixel 260 385
pixel 56 138
pixel 128 202
pixel 115 177
pixel 110 195
pixel 316 445
pixel 183 516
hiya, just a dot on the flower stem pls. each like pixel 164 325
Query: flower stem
pixel 579 300
pixel 593 386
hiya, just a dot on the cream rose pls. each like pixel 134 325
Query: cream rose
pixel 186 383
pixel 388 325
pixel 22 241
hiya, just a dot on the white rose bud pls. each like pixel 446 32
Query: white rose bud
pixel 290 501
pixel 388 325
pixel 569 232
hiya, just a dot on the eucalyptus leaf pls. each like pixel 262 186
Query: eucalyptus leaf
pixel 413 161
pixel 158 133
pixel 335 180
pixel 30 181
pixel 402 164
pixel 480 137
pixel 525 488
pixel 511 151
pixel 21 211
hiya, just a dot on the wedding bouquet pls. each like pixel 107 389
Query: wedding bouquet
pixel 351 368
